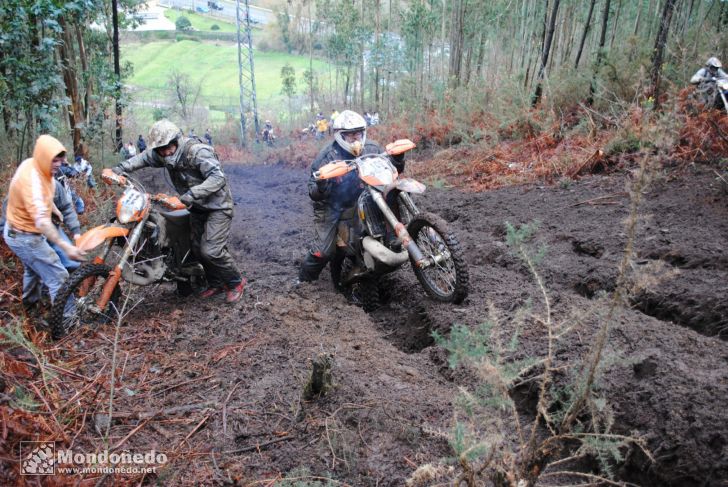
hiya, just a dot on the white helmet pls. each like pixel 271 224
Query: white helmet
pixel 349 121
pixel 713 62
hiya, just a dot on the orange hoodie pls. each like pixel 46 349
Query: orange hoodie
pixel 30 197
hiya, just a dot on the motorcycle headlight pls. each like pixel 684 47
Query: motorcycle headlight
pixel 131 206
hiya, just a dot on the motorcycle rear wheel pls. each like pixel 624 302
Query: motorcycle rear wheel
pixel 85 313
pixel 446 281
pixel 365 292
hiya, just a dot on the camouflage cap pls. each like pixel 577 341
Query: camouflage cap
pixel 162 133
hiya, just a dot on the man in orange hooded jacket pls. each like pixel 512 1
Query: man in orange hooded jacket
pixel 29 229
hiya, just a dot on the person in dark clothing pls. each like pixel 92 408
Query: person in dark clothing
pixel 141 144
pixel 208 137
pixel 331 198
pixel 198 177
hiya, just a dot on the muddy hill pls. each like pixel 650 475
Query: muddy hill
pixel 237 373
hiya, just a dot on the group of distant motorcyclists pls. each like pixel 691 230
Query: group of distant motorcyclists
pixel 40 198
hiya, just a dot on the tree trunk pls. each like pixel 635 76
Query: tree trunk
pixel 456 42
pixel 118 137
pixel 378 47
pixel 658 52
pixel 587 27
pixel 310 52
pixel 442 40
pixel 637 20
pixel 481 54
pixel 67 61
pixel 615 24
pixel 545 53
pixel 600 52
pixel 84 69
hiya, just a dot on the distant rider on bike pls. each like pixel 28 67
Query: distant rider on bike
pixel 332 197
pixel 708 90
pixel 198 177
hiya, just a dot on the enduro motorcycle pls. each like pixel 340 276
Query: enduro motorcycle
pixel 713 94
pixel 373 242
pixel 143 244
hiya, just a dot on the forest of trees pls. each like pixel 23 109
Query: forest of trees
pixel 57 74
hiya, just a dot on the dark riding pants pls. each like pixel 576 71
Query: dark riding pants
pixel 210 232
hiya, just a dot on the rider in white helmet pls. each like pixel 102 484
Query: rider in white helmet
pixel 332 197
pixel 712 69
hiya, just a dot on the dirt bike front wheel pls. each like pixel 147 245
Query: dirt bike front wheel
pixel 446 278
pixel 84 286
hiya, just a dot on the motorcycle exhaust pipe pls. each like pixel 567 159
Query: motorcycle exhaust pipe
pixel 379 252
pixel 142 274
pixel 400 230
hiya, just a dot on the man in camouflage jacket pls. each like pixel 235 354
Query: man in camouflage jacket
pixel 198 177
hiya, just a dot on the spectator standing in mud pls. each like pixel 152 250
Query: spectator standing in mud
pixel 29 230
pixel 82 166
pixel 208 137
pixel 322 126
pixel 141 144
pixel 332 197
pixel 198 178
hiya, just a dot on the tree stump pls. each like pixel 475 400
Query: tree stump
pixel 321 379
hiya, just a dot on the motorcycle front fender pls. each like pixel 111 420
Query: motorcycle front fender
pixel 98 235
pixel 409 185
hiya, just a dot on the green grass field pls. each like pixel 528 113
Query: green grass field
pixel 215 65
pixel 200 22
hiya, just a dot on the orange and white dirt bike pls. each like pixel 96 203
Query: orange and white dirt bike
pixel 373 241
pixel 148 241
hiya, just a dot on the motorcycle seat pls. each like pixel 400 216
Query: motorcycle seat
pixel 176 216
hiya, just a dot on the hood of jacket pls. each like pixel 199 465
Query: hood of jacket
pixel 46 148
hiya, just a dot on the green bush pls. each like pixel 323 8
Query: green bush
pixel 185 37
pixel 158 113
pixel 183 23
pixel 625 143
pixel 214 27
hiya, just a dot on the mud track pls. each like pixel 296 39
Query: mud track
pixel 393 389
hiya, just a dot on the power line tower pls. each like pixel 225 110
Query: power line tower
pixel 248 101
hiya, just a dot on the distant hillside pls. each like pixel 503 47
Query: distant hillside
pixel 214 65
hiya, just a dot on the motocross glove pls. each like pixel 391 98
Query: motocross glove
pixel 187 199
pixel 322 185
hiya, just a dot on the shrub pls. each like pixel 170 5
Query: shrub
pixel 214 27
pixel 158 113
pixel 625 143
pixel 183 37
pixel 183 23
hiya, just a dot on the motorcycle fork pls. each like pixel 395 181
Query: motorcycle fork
pixel 400 230
pixel 408 203
pixel 115 275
